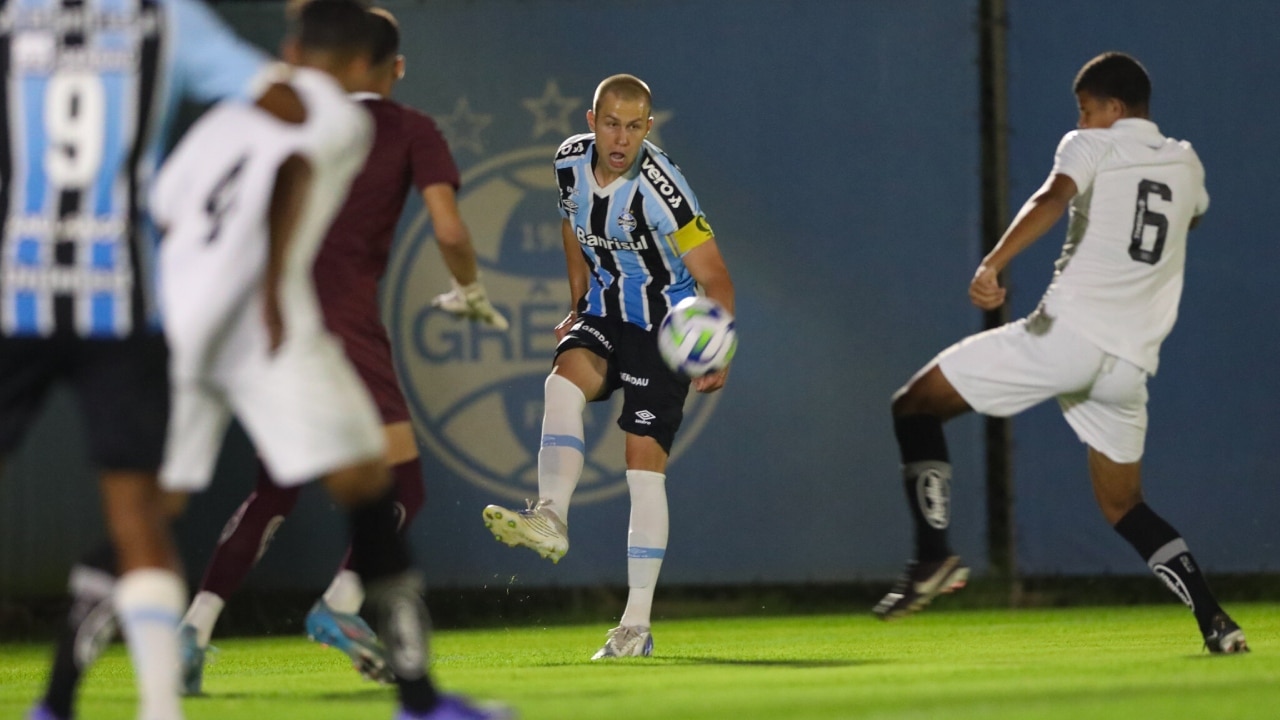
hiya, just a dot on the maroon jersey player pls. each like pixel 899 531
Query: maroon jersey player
pixel 408 151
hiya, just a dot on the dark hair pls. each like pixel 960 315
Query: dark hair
pixel 338 26
pixel 1118 76
pixel 385 33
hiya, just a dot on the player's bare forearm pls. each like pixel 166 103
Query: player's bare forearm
pixel 575 265
pixel 706 265
pixel 452 235
pixel 1037 215
pixel 1041 211
pixel 293 180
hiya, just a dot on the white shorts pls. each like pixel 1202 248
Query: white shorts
pixel 305 410
pixel 1004 371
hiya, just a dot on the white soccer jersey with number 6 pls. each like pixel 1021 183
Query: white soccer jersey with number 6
pixel 1119 279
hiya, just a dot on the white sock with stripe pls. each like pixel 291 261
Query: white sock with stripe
pixel 646 543
pixel 560 458
pixel 345 593
pixel 203 615
pixel 149 602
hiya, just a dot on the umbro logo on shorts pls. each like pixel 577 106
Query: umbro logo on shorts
pixel 644 417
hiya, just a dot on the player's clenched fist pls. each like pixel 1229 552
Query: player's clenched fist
pixel 985 290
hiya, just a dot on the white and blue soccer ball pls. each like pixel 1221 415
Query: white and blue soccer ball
pixel 697 337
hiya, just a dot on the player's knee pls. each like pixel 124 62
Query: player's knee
pixel 1116 507
pixel 358 484
pixel 1116 500
pixel 929 393
pixel 912 400
pixel 582 369
pixel 562 394
pixel 173 504
pixel 645 452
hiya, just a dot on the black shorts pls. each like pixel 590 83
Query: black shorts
pixel 652 394
pixel 122 387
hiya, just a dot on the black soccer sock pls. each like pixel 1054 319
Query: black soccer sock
pixel 378 550
pixel 90 627
pixel 380 555
pixel 926 476
pixel 1166 553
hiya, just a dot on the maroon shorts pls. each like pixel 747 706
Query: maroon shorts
pixel 369 349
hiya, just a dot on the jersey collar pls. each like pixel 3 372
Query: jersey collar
pixel 1137 126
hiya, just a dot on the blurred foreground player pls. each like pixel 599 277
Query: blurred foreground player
pixel 91 89
pixel 1091 344
pixel 245 202
pixel 407 151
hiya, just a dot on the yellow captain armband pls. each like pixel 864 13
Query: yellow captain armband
pixel 692 235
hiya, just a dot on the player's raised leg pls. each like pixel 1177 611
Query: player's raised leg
pixel 543 526
pixel 1118 489
pixel 919 410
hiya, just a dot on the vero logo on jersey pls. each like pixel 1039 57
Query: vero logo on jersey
pixel 670 193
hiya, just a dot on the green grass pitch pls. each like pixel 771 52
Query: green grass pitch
pixel 1091 662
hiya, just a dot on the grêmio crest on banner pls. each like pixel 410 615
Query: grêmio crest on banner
pixel 476 393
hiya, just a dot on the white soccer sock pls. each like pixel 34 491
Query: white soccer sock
pixel 149 602
pixel 560 458
pixel 646 543
pixel 203 615
pixel 345 593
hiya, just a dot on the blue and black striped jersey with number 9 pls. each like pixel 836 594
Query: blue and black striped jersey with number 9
pixel 91 88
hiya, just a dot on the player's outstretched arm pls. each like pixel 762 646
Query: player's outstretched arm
pixel 451 232
pixel 468 297
pixel 706 265
pixel 293 180
pixel 579 275
pixel 1036 217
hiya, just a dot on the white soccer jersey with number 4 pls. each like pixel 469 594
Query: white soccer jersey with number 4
pixel 212 198
pixel 1119 279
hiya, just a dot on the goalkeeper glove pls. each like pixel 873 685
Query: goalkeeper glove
pixel 470 302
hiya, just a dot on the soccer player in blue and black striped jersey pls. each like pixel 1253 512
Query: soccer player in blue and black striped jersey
pixel 636 243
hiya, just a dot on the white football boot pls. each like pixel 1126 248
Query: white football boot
pixel 626 641
pixel 536 527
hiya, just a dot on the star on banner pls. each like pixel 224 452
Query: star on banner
pixel 462 127
pixel 551 111
pixel 659 117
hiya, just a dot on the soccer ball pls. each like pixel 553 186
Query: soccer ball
pixel 697 337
